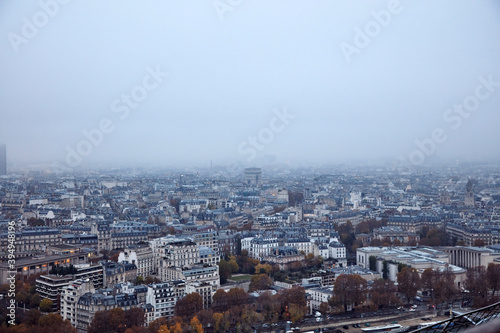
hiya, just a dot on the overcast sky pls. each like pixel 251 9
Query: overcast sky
pixel 314 81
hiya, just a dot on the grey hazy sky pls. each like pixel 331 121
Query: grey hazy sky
pixel 228 76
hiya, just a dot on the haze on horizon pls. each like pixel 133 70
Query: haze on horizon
pixel 283 73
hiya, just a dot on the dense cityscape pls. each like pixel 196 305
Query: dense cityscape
pixel 248 249
pixel 236 166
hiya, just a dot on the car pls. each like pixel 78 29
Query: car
pixel 345 327
pixel 412 309
pixel 400 308
pixel 414 306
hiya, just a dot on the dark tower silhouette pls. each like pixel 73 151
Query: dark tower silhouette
pixel 469 194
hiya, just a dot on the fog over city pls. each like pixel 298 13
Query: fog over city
pixel 250 82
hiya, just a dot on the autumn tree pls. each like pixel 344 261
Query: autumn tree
pixel 205 317
pixel 155 325
pixel 493 277
pixel 224 300
pixel 186 307
pixel 175 202
pixel 349 289
pixel 479 242
pixel 296 312
pixel 54 323
pixel 294 295
pixel 476 284
pixel 108 321
pixel 134 317
pixel 269 306
pixel 408 283
pixel 176 328
pixel 383 293
pixel 429 281
pixel 366 227
pixel 260 282
pixel 434 237
pixel 250 317
pixel 324 308
pixel 445 289
pixel 163 329
pixel 32 317
pixel 195 325
pixel 221 322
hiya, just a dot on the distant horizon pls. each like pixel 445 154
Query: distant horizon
pixel 384 165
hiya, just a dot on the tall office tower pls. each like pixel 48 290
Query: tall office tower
pixel 3 159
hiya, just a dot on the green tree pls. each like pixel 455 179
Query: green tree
pixel 35 301
pixel 233 265
pixel 373 263
pixel 46 305
pixel 151 279
pixel 139 280
pixel 385 269
pixel 263 268
pixel 401 266
pixel 224 271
